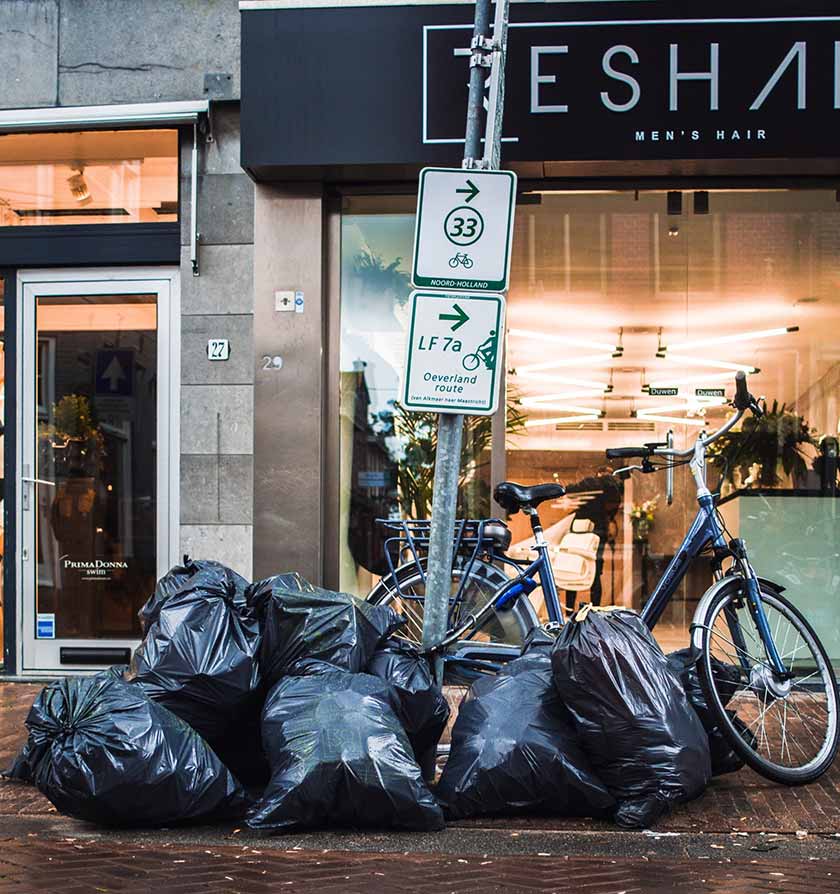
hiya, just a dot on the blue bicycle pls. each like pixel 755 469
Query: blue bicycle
pixel 764 673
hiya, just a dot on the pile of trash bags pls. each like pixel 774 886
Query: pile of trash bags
pixel 298 707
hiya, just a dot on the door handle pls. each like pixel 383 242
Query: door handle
pixel 25 495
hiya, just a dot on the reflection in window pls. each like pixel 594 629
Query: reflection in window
pixel 88 177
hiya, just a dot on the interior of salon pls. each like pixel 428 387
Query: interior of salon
pixel 628 315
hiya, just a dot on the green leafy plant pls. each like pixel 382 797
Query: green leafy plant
pixel 642 516
pixel 416 468
pixel 381 277
pixel 776 439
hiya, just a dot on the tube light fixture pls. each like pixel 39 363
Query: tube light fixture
pixel 691 380
pixel 589 360
pixel 574 341
pixel 679 420
pixel 728 339
pixel 715 364
pixel 546 400
pixel 532 423
pixel 563 380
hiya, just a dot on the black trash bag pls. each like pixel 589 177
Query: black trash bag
pixel 514 747
pixel 199 659
pixel 213 573
pixel 423 710
pixel 340 757
pixel 106 753
pixel 301 622
pixel 631 715
pixel 684 665
pixel 21 768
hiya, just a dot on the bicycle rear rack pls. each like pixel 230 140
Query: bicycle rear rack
pixel 410 543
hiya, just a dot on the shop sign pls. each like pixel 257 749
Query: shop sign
pixel 663 392
pixel 710 392
pixel 464 229
pixel 452 359
pixel 584 80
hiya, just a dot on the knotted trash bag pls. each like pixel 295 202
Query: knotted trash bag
pixel 514 747
pixel 180 576
pixel 199 658
pixel 339 757
pixel 423 710
pixel 302 623
pixel 684 664
pixel 631 715
pixel 22 766
pixel 104 752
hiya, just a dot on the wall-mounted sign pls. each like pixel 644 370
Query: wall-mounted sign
pixel 464 229
pixel 663 392
pixel 452 353
pixel 615 80
pixel 710 392
pixel 373 478
pixel 115 373
pixel 218 349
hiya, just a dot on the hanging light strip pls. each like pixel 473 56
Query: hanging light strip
pixel 679 420
pixel 715 364
pixel 566 361
pixel 563 380
pixel 574 341
pixel 728 339
pixel 691 380
pixel 533 423
pixel 539 400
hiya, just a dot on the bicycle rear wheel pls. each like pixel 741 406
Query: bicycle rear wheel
pixel 501 635
pixel 785 730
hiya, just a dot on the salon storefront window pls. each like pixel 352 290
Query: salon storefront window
pixel 627 312
pixel 89 177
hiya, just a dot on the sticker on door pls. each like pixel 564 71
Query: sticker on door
pixel 45 626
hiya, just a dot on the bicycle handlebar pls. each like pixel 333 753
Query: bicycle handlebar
pixel 742 402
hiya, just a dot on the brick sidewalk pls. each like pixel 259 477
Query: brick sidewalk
pixel 74 867
pixel 740 801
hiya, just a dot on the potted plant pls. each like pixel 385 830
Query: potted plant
pixel 774 443
pixel 641 517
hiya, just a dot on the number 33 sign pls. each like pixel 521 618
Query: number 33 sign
pixel 464 228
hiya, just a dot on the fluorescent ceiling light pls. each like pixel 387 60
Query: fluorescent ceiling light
pixel 679 420
pixel 532 423
pixel 572 340
pixel 690 380
pixel 728 339
pixel 546 400
pixel 716 364
pixel 563 380
pixel 691 406
pixel 565 361
pixel 571 408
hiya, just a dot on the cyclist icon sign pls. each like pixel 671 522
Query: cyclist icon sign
pixel 459 210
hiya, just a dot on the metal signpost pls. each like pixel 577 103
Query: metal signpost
pixel 459 225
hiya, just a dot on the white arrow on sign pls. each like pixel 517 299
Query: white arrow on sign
pixel 463 231
pixel 114 374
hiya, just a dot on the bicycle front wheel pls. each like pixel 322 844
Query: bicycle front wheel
pixel 507 627
pixel 787 730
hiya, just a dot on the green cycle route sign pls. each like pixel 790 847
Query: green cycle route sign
pixel 464 229
pixel 452 356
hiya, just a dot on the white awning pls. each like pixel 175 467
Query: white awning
pixel 141 114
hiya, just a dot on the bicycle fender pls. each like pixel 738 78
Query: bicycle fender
pixel 711 594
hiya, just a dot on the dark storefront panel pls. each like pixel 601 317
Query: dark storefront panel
pixel 341 91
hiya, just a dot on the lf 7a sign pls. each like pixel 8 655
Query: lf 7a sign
pixel 452 360
pixel 464 228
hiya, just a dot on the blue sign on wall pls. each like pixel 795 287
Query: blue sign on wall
pixel 115 373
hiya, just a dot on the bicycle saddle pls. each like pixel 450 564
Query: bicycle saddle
pixel 512 497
